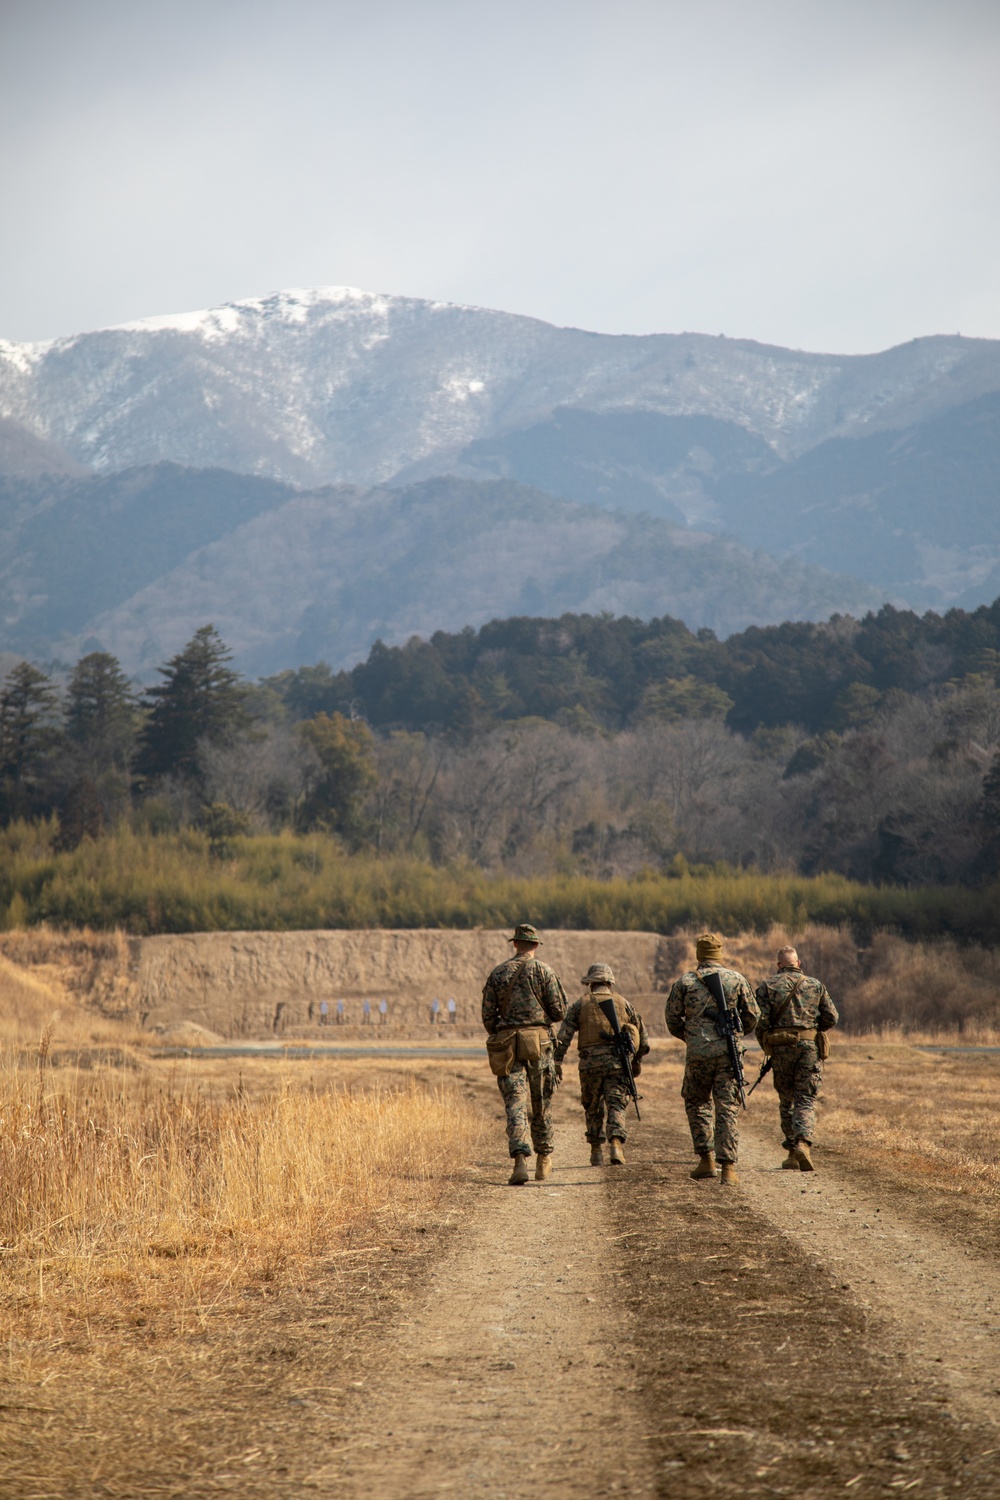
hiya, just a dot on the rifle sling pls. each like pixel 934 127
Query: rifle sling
pixel 732 1009
pixel 774 1023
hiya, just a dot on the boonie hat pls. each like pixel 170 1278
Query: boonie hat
pixel 599 974
pixel 524 933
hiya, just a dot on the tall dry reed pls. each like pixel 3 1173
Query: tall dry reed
pixel 170 883
pixel 113 1166
pixel 153 1239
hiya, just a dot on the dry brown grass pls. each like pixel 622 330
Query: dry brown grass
pixel 924 1117
pixel 90 969
pixel 72 985
pixel 106 1174
pixel 140 1212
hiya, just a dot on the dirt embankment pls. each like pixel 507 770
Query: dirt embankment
pixel 249 983
pixel 241 984
pixel 257 984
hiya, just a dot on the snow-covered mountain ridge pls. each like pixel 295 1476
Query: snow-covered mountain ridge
pixel 334 384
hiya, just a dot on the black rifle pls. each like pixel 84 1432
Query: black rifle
pixel 623 1047
pixel 726 1022
pixel 765 1068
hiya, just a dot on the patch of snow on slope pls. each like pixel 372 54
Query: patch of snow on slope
pixel 461 387
pixel 24 357
pixel 210 322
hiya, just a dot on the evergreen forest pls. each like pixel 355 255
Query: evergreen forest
pixel 585 748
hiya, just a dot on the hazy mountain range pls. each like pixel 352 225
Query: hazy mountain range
pixel 274 465
pixel 135 562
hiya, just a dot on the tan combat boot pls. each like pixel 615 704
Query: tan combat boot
pixel 543 1166
pixel 596 1156
pixel 519 1176
pixel 791 1161
pixel 802 1156
pixel 705 1167
pixel 729 1173
pixel 617 1154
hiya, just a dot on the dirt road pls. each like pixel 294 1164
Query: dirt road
pixel 631 1332
pixel 505 1375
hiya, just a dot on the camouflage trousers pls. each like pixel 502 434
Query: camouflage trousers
pixel 798 1077
pixel 708 1080
pixel 529 1085
pixel 602 1086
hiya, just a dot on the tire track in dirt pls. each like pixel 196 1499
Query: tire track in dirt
pixel 506 1373
pixel 631 1332
pixel 767 1375
pixel 939 1300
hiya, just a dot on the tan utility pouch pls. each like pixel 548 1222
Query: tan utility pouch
pixel 531 1043
pixel 632 1032
pixel 823 1045
pixel 501 1049
pixel 787 1037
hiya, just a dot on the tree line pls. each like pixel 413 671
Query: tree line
pixel 593 746
pixel 612 672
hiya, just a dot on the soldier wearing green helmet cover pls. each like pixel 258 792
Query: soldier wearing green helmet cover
pixel 602 1078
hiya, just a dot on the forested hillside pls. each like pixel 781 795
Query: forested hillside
pixel 134 562
pixel 614 672
pixel 589 745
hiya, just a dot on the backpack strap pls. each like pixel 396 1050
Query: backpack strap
pixel 504 1000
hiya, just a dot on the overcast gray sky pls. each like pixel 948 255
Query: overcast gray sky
pixel 816 173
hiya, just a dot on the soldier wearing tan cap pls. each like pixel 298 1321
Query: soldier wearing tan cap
pixel 708 1072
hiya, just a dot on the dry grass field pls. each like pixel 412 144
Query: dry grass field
pixel 150 1210
pixel 928 1117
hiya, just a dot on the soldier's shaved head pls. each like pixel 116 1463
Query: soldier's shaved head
pixel 788 958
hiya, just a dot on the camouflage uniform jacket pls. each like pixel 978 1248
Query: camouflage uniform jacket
pixel 792 999
pixel 536 998
pixel 690 1004
pixel 571 1026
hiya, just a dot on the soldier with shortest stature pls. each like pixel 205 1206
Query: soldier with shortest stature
pixel 522 999
pixel 795 1013
pixel 708 1072
pixel 602 1077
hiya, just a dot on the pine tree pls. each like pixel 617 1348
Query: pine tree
pixel 28 736
pixel 201 699
pixel 102 715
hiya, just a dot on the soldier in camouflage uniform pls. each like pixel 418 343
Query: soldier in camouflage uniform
pixel 708 1073
pixel 794 1010
pixel 602 1078
pixel 523 993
